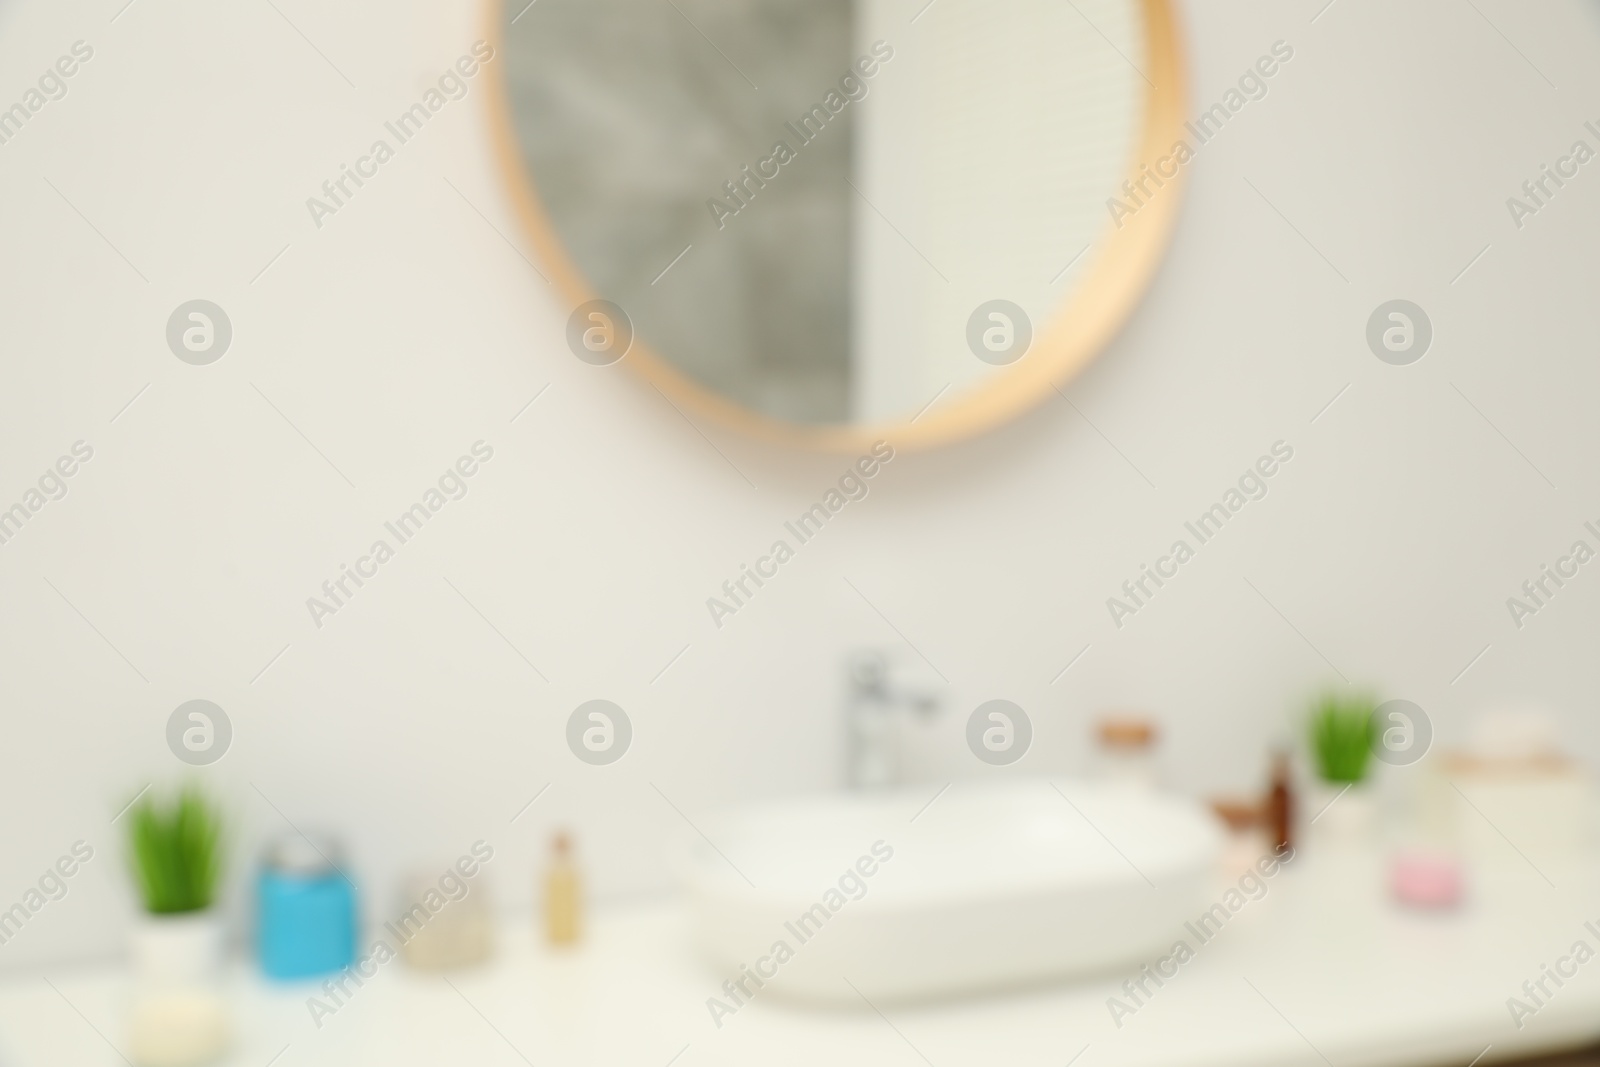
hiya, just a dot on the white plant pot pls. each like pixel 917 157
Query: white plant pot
pixel 179 1016
pixel 178 950
pixel 1344 815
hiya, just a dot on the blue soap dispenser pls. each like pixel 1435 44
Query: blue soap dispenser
pixel 306 922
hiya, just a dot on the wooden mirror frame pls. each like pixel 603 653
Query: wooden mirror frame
pixel 1123 262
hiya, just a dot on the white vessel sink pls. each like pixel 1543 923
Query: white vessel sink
pixel 991 885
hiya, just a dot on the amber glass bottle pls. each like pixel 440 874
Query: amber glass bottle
pixel 1279 808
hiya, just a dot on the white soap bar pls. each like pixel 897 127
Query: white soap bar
pixel 178 1029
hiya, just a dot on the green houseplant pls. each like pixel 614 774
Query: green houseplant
pixel 1341 737
pixel 1342 809
pixel 175 850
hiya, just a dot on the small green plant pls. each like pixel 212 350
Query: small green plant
pixel 1341 736
pixel 176 850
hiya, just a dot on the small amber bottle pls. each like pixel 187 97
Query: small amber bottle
pixel 563 895
pixel 1279 810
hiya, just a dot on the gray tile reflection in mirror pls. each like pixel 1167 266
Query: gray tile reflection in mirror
pixel 632 114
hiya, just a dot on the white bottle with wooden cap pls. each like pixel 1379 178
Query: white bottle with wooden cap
pixel 1127 744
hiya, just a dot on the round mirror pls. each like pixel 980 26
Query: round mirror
pixel 830 221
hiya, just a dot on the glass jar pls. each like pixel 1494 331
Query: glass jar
pixel 306 924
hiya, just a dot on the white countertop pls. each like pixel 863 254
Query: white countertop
pixel 1323 970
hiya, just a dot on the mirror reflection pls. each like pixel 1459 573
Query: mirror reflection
pixel 828 212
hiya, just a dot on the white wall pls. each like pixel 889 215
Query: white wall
pixel 407 328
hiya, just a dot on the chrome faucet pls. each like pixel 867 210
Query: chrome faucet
pixel 873 721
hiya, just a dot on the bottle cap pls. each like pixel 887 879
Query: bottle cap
pixel 1126 731
pixel 303 856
